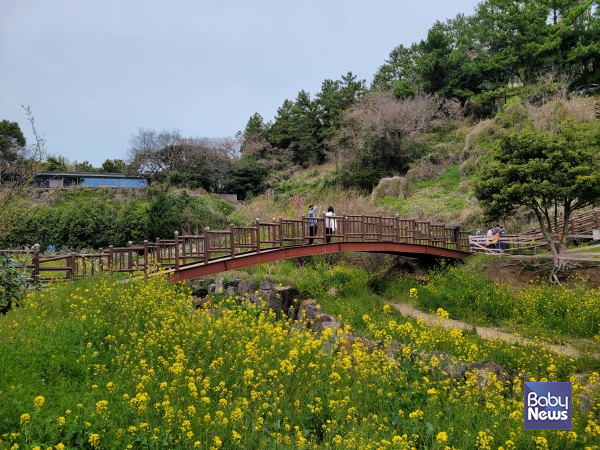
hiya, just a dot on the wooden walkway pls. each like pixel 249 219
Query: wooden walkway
pixel 579 228
pixel 214 251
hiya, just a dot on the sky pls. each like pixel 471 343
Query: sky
pixel 93 73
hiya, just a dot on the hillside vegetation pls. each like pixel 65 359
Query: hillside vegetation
pixel 89 218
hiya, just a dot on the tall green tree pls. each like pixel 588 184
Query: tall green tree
pixel 113 166
pixel 11 139
pixel 546 172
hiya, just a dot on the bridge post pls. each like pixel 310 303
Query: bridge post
pixel 130 257
pixel 158 252
pixel 280 232
pixel 36 261
pixel 145 258
pixel 344 228
pixel 257 236
pixel 362 228
pixel 206 245
pixel 396 228
pixel 73 265
pixel 380 231
pixel 110 258
pixel 176 236
pixel 303 231
pixel 231 243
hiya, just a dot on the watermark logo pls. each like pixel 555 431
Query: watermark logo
pixel 548 406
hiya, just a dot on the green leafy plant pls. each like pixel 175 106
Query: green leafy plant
pixel 14 283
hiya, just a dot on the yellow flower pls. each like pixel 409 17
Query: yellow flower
pixel 94 440
pixel 442 436
pixel 38 402
pixel 102 406
pixel 25 418
pixel 60 446
pixel 60 421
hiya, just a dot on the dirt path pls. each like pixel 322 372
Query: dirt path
pixel 483 332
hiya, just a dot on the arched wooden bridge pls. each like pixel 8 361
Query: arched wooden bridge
pixel 214 251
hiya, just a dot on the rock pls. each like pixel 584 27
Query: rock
pixel 483 370
pixel 267 285
pixel 445 364
pixel 212 288
pixel 332 325
pixel 199 282
pixel 246 287
pixel 219 284
pixel 288 296
pixel 229 292
pixel 329 347
pixel 320 319
pixel 394 350
pixel 232 282
pixel 256 299
pixel 270 299
pixel 199 291
pixel 198 303
pixel 307 311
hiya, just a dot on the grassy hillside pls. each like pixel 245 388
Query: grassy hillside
pixel 438 185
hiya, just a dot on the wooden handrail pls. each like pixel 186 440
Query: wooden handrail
pixel 256 238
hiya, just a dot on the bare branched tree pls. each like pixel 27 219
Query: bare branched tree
pixel 374 132
pixel 18 172
pixel 197 162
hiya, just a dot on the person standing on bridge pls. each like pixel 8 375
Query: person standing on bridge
pixel 490 238
pixel 312 223
pixel 501 245
pixel 330 223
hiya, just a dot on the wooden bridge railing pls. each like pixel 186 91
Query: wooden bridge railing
pixel 241 240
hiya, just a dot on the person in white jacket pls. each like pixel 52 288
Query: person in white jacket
pixel 330 223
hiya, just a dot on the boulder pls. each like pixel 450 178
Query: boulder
pixel 270 298
pixel 199 291
pixel 267 285
pixel 232 282
pixel 229 292
pixel 393 350
pixel 198 303
pixel 246 287
pixel 482 371
pixel 212 288
pixel 288 296
pixel 307 311
pixel 219 285
pixel 455 369
pixel 256 299
pixel 334 326
pixel 199 282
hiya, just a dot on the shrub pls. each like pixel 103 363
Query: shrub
pixel 14 283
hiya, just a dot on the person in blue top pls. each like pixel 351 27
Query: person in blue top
pixel 501 245
pixel 312 223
